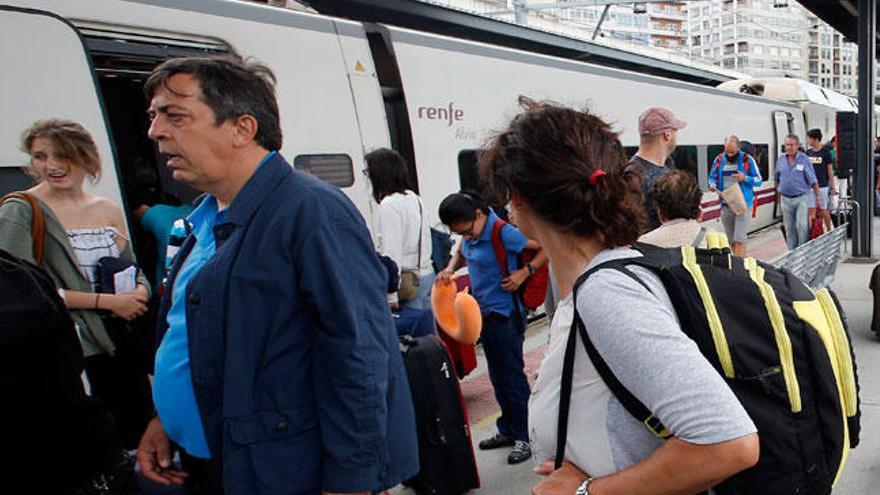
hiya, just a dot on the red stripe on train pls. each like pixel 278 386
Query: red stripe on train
pixel 763 197
pixel 771 193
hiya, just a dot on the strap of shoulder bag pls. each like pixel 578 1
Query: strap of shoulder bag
pixel 700 236
pixel 38 225
pixel 421 221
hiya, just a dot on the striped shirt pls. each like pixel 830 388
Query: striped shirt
pixel 90 245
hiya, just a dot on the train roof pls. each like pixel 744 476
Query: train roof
pixel 461 24
pixel 790 89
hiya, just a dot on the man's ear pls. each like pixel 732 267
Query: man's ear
pixel 245 130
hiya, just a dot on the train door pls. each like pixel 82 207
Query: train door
pixel 55 79
pixel 782 125
pixel 391 86
pixel 363 79
pixel 122 62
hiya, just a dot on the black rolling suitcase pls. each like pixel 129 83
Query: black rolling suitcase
pixel 446 454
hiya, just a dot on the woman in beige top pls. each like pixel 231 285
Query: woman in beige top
pixel 678 198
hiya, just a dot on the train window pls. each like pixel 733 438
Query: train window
pixel 468 175
pixel 14 179
pixel 685 158
pixel 762 158
pixel 712 151
pixel 336 169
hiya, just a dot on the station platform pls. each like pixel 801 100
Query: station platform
pixel 861 475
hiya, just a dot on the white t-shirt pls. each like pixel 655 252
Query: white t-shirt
pixel 398 226
pixel 639 337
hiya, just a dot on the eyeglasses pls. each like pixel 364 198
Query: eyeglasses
pixel 467 233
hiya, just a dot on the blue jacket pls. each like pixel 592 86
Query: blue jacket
pixel 295 362
pixel 747 166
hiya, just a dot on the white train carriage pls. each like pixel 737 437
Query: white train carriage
pixel 344 88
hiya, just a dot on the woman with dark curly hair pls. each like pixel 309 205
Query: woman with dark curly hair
pixel 562 171
pixel 677 197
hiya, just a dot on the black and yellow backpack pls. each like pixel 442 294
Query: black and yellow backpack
pixel 783 349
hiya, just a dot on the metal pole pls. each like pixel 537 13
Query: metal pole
pixel 520 14
pixel 864 170
pixel 601 20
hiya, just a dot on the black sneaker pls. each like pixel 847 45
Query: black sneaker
pixel 521 452
pixel 494 442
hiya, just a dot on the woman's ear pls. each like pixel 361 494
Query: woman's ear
pixel 517 202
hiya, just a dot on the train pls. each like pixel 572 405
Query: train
pixel 347 87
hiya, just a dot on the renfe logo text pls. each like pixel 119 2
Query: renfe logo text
pixel 448 114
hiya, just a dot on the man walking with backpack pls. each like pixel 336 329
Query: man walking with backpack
pixel 735 168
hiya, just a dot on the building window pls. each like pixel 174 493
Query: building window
pixel 758 49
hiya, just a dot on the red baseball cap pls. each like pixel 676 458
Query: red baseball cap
pixel 656 120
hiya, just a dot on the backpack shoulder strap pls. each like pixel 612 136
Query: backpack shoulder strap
pixel 717 166
pixel 629 401
pixel 498 247
pixel 747 162
pixel 38 225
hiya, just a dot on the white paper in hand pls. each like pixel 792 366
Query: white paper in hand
pixel 125 281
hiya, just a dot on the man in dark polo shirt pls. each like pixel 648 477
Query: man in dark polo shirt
pixel 658 137
pixel 823 165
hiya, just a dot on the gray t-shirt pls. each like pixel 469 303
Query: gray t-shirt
pixel 639 336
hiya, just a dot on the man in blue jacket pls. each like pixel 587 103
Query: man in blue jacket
pixel 278 370
pixel 735 167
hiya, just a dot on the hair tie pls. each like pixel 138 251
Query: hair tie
pixel 595 176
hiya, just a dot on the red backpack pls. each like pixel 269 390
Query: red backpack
pixel 534 289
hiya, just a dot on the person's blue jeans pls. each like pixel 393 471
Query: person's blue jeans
pixel 795 217
pixel 423 298
pixel 502 340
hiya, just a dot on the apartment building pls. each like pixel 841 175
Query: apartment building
pixel 660 25
pixel 832 62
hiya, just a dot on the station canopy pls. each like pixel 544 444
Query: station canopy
pixel 842 15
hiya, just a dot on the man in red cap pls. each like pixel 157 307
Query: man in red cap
pixel 658 137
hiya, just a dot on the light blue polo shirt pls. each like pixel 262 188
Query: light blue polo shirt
pixel 173 392
pixel 796 179
pixel 484 270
